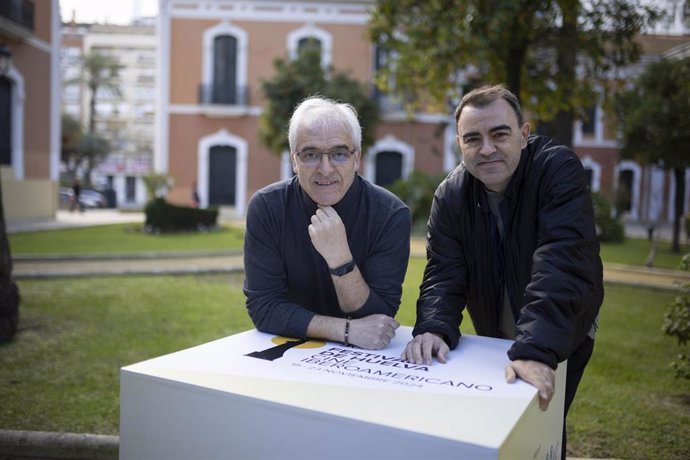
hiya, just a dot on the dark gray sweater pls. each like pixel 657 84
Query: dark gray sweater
pixel 287 281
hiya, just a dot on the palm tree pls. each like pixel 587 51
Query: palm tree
pixel 101 73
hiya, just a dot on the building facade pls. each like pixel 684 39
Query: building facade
pixel 126 117
pixel 212 59
pixel 30 108
pixel 213 55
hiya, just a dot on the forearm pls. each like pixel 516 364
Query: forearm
pixel 352 290
pixel 327 328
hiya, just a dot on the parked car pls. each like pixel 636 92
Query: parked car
pixel 89 198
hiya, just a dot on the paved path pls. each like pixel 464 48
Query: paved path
pixel 232 261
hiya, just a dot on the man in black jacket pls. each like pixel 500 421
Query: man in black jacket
pixel 511 237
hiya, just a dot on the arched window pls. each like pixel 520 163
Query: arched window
pixel 224 73
pixel 311 35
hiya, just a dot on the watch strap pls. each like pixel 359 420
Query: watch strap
pixel 343 269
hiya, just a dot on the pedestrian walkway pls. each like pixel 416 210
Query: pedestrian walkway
pixel 67 219
pixel 185 263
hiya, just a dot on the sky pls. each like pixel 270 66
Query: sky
pixel 111 11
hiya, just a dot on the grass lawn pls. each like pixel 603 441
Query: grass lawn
pixel 125 238
pixel 121 238
pixel 62 371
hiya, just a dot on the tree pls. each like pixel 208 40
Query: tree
pixel 79 149
pixel 297 79
pixel 553 54
pixel 655 124
pixel 9 292
pixel 677 324
pixel 101 74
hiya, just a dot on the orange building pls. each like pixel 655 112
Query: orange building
pixel 212 59
pixel 213 56
pixel 30 108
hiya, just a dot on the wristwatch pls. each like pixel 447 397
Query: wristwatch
pixel 343 269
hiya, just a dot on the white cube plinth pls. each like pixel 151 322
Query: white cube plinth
pixel 248 397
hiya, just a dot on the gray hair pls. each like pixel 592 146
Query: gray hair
pixel 318 110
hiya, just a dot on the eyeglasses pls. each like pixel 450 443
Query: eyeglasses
pixel 337 156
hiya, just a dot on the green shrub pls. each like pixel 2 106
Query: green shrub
pixel 162 217
pixel 677 324
pixel 609 229
pixel 417 191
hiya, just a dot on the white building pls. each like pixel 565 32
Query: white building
pixel 126 119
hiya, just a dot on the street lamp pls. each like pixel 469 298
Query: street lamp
pixel 5 59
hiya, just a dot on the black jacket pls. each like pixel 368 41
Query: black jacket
pixel 549 258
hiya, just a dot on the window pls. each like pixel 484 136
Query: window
pixel 311 35
pixel 224 70
pixel 224 73
pixel 130 189
pixel 589 122
pixel 388 168
pixel 5 121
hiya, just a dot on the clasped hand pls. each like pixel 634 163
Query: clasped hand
pixel 423 347
pixel 327 233
pixel 373 332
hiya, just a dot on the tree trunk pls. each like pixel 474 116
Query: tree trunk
pixel 566 62
pixel 92 110
pixel 9 293
pixel 679 174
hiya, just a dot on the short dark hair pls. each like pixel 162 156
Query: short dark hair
pixel 481 97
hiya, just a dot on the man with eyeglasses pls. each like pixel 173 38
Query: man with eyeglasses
pixel 326 251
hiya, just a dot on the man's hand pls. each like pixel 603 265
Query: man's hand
pixel 373 332
pixel 423 347
pixel 327 233
pixel 538 374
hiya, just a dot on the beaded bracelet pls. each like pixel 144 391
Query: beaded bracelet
pixel 347 331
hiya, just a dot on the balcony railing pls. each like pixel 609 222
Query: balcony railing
pixel 223 95
pixel 20 12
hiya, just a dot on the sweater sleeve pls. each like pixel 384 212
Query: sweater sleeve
pixel 265 284
pixel 385 266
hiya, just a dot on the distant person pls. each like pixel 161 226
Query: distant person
pixel 325 252
pixel 511 237
pixel 195 197
pixel 76 194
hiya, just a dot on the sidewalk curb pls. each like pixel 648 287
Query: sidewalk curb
pixel 18 445
pixel 125 255
pixel 130 272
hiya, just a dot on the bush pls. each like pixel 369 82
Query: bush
pixel 162 216
pixel 417 191
pixel 677 324
pixel 609 229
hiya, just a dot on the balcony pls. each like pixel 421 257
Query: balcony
pixel 223 95
pixel 17 18
pixel 224 101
